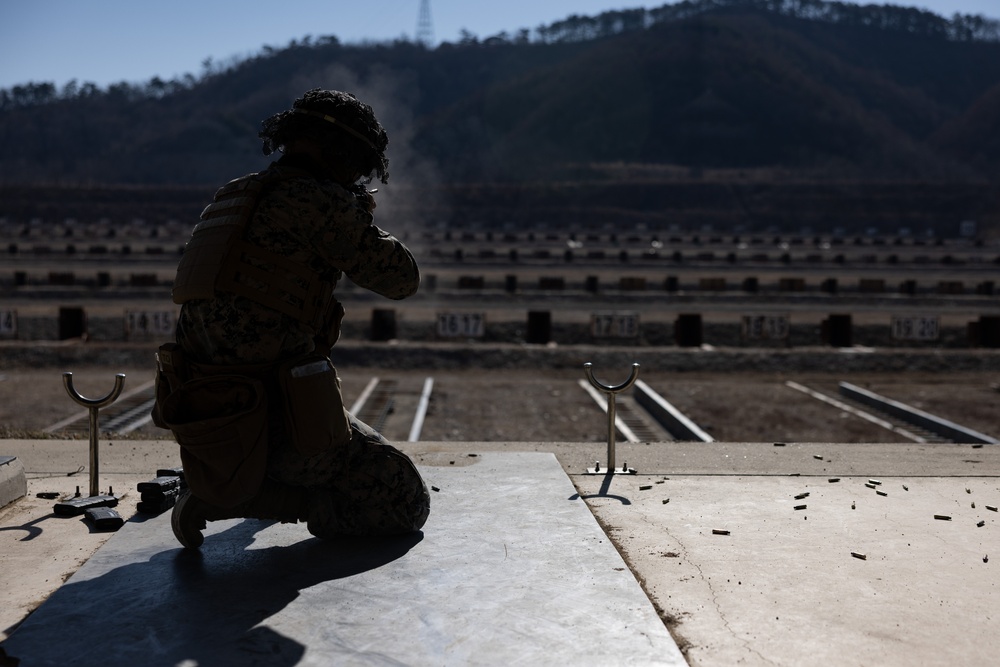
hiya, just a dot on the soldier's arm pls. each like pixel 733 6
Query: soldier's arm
pixel 330 221
pixel 382 264
pixel 348 239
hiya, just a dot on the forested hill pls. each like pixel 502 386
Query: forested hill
pixel 782 88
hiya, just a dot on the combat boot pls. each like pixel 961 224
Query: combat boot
pixel 275 501
pixel 189 518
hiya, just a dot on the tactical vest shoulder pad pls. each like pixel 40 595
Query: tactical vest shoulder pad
pixel 218 257
pixel 222 223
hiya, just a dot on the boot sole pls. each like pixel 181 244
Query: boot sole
pixel 189 536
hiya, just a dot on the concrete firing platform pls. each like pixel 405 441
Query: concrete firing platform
pixel 511 568
pixel 13 484
pixel 814 554
pixel 781 589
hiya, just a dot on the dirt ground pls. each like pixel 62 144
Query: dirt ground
pixel 750 408
pixel 32 399
pixel 550 405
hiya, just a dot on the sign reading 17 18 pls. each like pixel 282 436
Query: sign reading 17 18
pixel 918 327
pixel 461 325
pixel 765 327
pixel 614 325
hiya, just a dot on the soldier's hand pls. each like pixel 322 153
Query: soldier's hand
pixel 364 196
pixel 368 201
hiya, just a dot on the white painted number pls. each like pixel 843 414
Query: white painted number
pixel 461 325
pixel 916 328
pixel 765 327
pixel 614 325
pixel 8 323
pixel 144 323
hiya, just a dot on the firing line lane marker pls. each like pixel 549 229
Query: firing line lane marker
pixel 854 411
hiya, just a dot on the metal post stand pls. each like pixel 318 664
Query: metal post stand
pixel 94 405
pixel 611 391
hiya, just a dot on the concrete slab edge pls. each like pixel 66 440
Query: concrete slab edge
pixel 13 483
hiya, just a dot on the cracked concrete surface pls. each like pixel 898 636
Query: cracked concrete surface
pixel 783 588
pixel 507 570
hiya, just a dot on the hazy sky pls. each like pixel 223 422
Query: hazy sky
pixel 107 41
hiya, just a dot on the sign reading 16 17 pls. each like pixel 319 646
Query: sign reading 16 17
pixel 461 325
pixel 919 327
pixel 614 325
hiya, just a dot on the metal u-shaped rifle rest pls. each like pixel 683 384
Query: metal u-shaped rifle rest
pixel 94 405
pixel 611 391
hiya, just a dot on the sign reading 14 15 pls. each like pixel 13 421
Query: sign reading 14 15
pixel 139 323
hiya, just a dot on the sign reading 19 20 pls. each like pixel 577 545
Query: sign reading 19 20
pixel 461 325
pixel 143 323
pixel 614 325
pixel 916 327
pixel 765 327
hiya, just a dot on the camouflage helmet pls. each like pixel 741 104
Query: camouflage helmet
pixel 344 127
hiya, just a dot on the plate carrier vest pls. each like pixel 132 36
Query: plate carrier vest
pixel 219 258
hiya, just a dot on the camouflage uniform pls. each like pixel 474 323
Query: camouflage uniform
pixel 371 488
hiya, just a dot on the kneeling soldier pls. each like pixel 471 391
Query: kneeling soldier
pixel 247 387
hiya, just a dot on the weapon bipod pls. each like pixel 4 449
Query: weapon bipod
pixel 94 405
pixel 611 391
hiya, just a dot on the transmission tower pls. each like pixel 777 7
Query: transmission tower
pixel 425 27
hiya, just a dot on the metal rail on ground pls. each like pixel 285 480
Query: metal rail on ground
pixel 878 421
pixel 378 400
pixel 422 405
pixel 378 405
pixel 362 398
pixel 672 419
pixel 942 427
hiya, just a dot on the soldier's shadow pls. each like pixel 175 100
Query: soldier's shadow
pixel 206 607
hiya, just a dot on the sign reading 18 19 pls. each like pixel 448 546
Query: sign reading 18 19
pixel 614 325
pixel 916 327
pixel 461 325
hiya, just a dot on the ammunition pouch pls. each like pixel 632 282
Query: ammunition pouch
pixel 220 423
pixel 219 417
pixel 313 407
pixel 171 373
pixel 329 333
